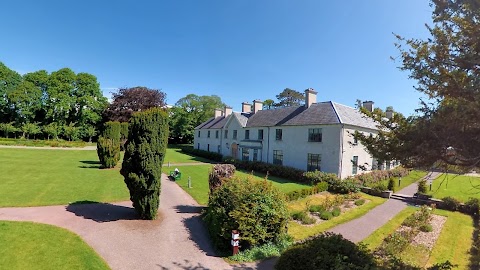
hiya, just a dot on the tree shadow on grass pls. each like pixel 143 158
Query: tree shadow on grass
pixel 101 212
pixel 90 164
pixel 475 249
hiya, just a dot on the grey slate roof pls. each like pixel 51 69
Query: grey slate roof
pixel 323 113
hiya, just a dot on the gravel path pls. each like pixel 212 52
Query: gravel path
pixel 360 228
pixel 177 240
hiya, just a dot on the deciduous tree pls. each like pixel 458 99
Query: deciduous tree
pixel 289 97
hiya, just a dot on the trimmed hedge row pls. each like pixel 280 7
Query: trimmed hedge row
pixel 290 173
pixel 201 153
pixel 376 176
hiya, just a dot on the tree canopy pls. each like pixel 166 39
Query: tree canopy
pixel 130 100
pixel 189 112
pixel 289 97
pixel 446 67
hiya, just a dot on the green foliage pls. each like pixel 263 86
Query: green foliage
pixel 255 208
pixel 108 151
pixel 293 174
pixel 123 135
pixel 289 97
pixel 262 252
pixel 451 204
pixel 419 218
pixel 472 206
pixel 379 188
pixel 8 128
pixel 360 202
pixel 303 217
pixel 326 251
pixel 52 130
pixel 316 208
pixel 376 176
pixel 111 130
pixel 30 129
pixel 142 163
pixel 336 211
pixel 326 215
pixel 303 193
pixel 425 228
pixel 71 132
pixel 422 186
pixel 391 184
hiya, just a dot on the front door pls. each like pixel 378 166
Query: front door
pixel 235 150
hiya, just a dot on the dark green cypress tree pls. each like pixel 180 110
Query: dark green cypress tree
pixel 144 155
pixel 108 145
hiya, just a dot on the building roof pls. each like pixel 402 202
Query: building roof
pixel 323 113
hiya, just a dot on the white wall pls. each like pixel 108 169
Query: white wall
pixel 350 150
pixel 204 141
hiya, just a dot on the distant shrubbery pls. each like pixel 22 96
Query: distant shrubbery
pixel 201 153
pixel 108 145
pixel 377 176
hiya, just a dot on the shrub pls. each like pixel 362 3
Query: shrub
pixel 426 228
pixel 326 215
pixel 298 215
pixel 359 202
pixel 319 177
pixel 343 186
pixel 396 242
pixel 379 188
pixel 472 206
pixel 451 203
pixel 307 220
pixel 123 135
pixel 422 186
pixel 336 211
pixel 303 193
pixel 321 186
pixel 144 155
pixel 256 208
pixel 218 174
pixel 265 251
pixel 108 151
pixel 326 251
pixel 108 145
pixel 316 208
pixel 391 184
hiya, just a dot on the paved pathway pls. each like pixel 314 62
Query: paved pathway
pixel 360 228
pixel 177 240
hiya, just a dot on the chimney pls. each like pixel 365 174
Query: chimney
pixel 246 107
pixel 310 97
pixel 257 105
pixel 218 113
pixel 389 112
pixel 227 111
pixel 368 105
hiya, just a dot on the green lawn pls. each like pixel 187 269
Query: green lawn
pixel 44 143
pixel 460 187
pixel 199 177
pixel 175 155
pixel 32 177
pixel 453 244
pixel 27 245
pixel 299 232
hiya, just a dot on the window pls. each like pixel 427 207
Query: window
pixel 278 157
pixel 198 146
pixel 354 164
pixel 313 162
pixel 314 134
pixel 199 134
pixel 355 141
pixel 218 149
pixel 278 134
pixel 208 134
pixel 235 134
pixel 226 134
pixel 247 134
pixel 245 154
pixel 216 134
pixel 388 165
pixel 260 134
pixel 255 154
pixel 208 147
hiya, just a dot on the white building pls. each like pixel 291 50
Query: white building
pixel 315 136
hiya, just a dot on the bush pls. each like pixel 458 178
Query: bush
pixel 426 228
pixel 108 152
pixel 123 135
pixel 326 215
pixel 336 211
pixel 345 186
pixel 108 145
pixel 472 206
pixel 422 186
pixel 359 202
pixel 379 188
pixel 144 155
pixel 319 177
pixel 391 185
pixel 450 203
pixel 219 174
pixel 316 208
pixel 272 169
pixel 376 176
pixel 265 251
pixel 256 208
pixel 303 193
pixel 326 251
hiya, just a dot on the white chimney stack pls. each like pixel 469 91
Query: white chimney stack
pixel 227 111
pixel 257 105
pixel 310 97
pixel 368 105
pixel 218 113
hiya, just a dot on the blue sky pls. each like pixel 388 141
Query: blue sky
pixel 240 50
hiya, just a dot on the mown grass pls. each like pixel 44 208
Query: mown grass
pixel 199 180
pixel 461 187
pixel 453 244
pixel 43 143
pixel 33 177
pixel 175 155
pixel 27 245
pixel 299 232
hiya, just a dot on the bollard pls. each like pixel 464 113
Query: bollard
pixel 189 182
pixel 235 241
pixel 399 180
pixel 169 164
pixel 430 186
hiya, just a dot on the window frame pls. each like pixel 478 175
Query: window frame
pixel 226 134
pixel 278 134
pixel 208 134
pixel 354 165
pixel 216 134
pixel 315 136
pixel 245 154
pixel 247 134
pixel 260 138
pixel 314 164
pixel 277 157
pixel 235 134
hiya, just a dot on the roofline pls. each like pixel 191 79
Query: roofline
pixel 336 112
